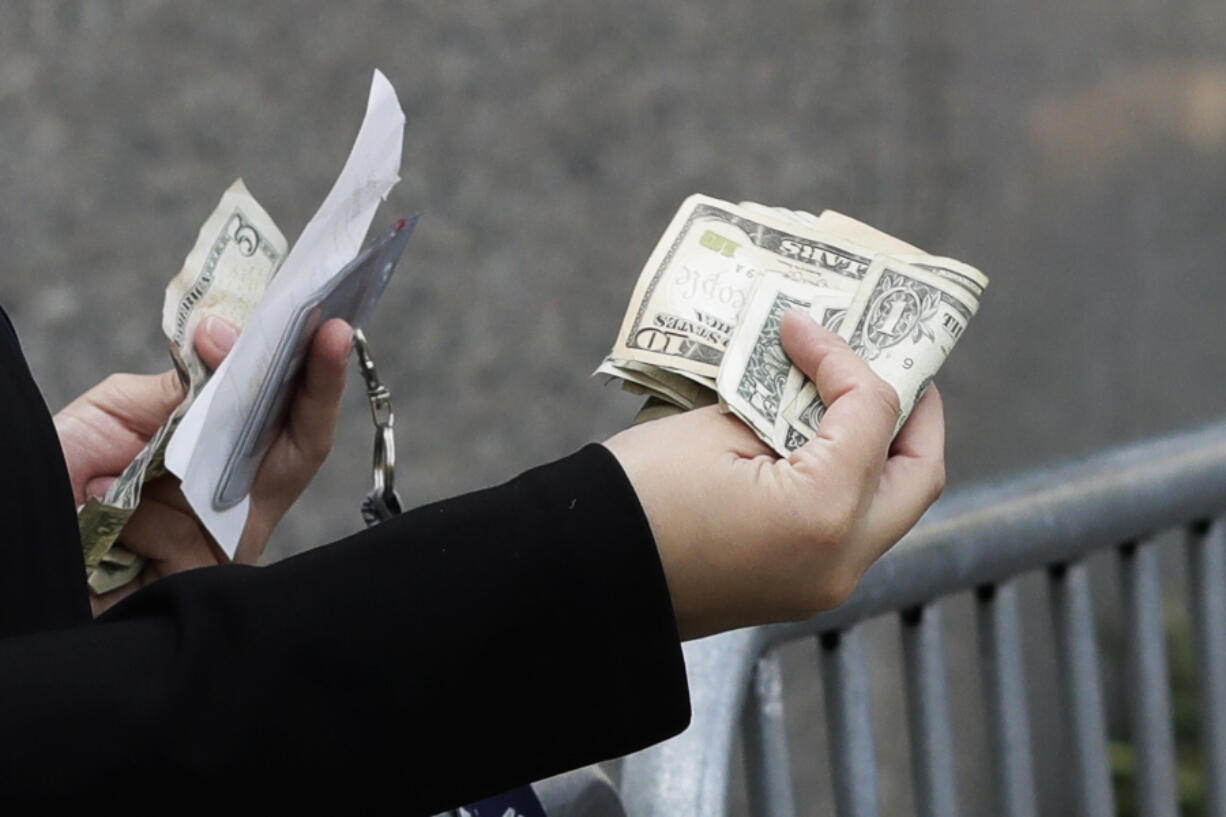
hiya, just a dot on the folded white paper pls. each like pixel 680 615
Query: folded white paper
pixel 203 443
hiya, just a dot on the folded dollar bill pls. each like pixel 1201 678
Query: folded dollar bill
pixel 703 320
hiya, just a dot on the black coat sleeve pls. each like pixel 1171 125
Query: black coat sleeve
pixel 42 573
pixel 455 651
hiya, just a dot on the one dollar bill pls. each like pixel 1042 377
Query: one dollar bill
pixel 904 321
pixel 704 319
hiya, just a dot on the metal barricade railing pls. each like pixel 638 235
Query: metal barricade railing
pixel 982 540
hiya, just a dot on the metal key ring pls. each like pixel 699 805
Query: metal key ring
pixel 385 461
pixel 382 502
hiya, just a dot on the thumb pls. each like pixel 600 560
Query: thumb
pixel 861 408
pixel 214 338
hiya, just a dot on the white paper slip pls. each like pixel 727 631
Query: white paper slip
pixel 201 451
pixel 350 295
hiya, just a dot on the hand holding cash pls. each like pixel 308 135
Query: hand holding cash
pixel 748 538
pixel 220 438
pixel 103 430
pixel 730 308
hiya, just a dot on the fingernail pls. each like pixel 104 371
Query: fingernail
pixel 220 331
pixel 798 314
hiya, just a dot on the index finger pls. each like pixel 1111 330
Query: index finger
pixel 861 408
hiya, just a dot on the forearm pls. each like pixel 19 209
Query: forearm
pixel 490 639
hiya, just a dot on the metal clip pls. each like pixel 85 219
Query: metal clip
pixel 382 502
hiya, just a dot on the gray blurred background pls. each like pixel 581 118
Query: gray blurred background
pixel 1073 150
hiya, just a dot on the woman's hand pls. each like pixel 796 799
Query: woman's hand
pixel 748 538
pixel 103 429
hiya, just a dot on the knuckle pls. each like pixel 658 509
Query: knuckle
pixel 937 482
pixel 840 587
pixel 825 544
pixel 887 397
pixel 835 579
pixel 801 612
pixel 834 589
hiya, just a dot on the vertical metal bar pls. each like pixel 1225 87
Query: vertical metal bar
pixel 1004 691
pixel 768 767
pixel 1149 693
pixel 849 718
pixel 1082 692
pixel 1207 605
pixel 932 742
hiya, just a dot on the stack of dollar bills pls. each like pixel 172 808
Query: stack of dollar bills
pixel 703 323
